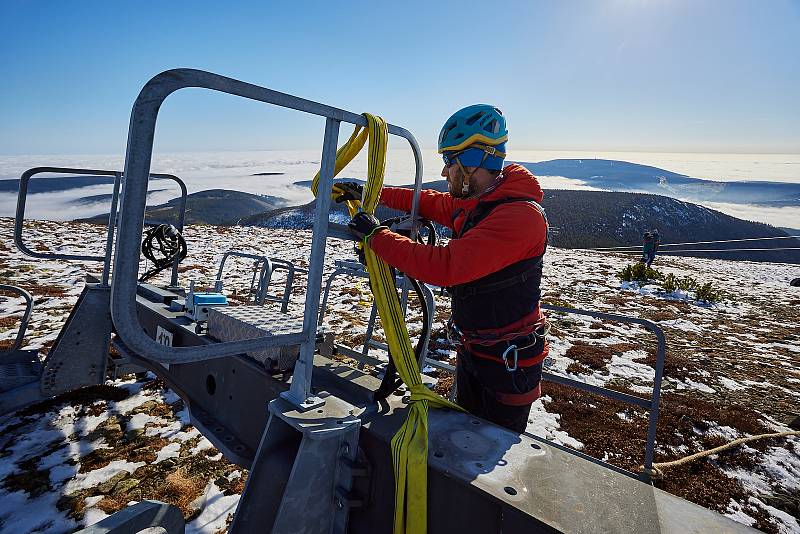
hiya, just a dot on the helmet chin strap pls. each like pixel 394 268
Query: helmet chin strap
pixel 465 179
pixel 467 176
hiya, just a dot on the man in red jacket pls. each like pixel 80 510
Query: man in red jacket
pixel 492 266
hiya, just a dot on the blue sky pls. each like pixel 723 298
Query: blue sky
pixel 688 75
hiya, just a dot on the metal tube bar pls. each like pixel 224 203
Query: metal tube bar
pixel 300 391
pixel 655 399
pixel 26 316
pixel 264 281
pixel 597 390
pixel 137 167
pixel 22 196
pixel 287 290
pixel 373 315
pixel 181 218
pixel 417 186
pixel 112 223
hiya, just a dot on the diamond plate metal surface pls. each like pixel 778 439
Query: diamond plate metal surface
pixel 236 323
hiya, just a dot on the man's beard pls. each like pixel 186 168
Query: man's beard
pixel 456 190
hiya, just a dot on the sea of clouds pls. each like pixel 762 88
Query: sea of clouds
pixel 236 170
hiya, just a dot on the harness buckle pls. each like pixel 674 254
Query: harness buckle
pixel 454 333
pixel 511 368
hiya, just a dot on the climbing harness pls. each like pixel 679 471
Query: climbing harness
pixel 163 245
pixel 410 444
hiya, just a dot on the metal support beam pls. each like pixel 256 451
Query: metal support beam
pixel 137 167
pixel 301 471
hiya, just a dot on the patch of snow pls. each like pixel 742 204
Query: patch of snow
pixel 545 424
pixel 722 431
pixel 215 509
pixel 171 450
pixel 699 386
pixel 786 523
pixel 98 476
pixel 736 513
pixel 201 446
pixel 624 366
pixel 19 513
pixel 140 420
pixel 682 324
pixel 730 384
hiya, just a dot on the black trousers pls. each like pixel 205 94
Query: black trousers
pixel 477 381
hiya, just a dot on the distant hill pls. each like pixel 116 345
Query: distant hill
pixel 592 219
pixel 615 175
pixel 104 199
pixel 213 206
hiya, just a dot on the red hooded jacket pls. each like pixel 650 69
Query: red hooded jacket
pixel 511 233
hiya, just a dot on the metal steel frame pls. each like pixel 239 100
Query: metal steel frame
pixel 26 317
pixel 22 197
pixel 481 477
pixel 269 265
pixel 652 404
pixel 137 168
pixel 345 268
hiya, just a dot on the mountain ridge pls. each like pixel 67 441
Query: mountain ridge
pixel 596 219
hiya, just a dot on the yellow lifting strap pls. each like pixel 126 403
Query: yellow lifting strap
pixel 410 444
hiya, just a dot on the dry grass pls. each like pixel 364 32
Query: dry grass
pixel 592 356
pixel 593 420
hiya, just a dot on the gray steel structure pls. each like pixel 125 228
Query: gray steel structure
pixel 18 366
pixel 23 323
pixel 22 198
pixel 355 269
pixel 259 285
pixel 320 459
pixel 651 404
pixel 129 235
pixel 481 478
pixel 79 356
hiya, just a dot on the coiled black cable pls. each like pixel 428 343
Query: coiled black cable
pixel 166 242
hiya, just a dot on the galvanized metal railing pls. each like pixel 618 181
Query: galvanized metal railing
pixel 26 317
pixel 354 269
pixel 263 277
pixel 22 198
pixel 137 168
pixel 652 404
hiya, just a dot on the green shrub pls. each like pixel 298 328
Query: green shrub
pixel 670 283
pixel 708 293
pixel 638 272
pixel 687 283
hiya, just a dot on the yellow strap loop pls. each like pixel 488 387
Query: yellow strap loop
pixel 410 444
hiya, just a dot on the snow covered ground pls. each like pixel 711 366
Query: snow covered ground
pixel 732 369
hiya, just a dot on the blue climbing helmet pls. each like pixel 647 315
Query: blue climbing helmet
pixel 475 136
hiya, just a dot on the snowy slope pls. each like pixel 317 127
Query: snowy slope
pixel 733 369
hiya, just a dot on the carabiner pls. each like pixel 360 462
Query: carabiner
pixel 509 368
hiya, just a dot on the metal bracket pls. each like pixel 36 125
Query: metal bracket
pixel 302 470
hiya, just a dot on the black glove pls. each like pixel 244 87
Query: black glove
pixel 344 191
pixel 364 225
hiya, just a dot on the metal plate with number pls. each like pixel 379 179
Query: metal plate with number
pixel 163 337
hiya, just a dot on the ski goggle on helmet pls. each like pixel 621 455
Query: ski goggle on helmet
pixel 475 136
